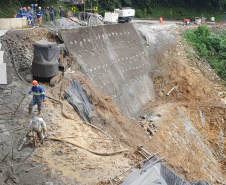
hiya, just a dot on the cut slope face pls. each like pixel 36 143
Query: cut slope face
pixel 113 58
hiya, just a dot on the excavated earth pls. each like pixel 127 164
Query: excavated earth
pixel 187 127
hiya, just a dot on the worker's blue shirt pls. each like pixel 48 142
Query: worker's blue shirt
pixel 51 12
pixel 20 14
pixel 61 12
pixel 39 13
pixel 25 13
pixel 38 92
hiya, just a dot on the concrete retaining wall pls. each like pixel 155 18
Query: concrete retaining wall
pixel 114 59
pixel 13 23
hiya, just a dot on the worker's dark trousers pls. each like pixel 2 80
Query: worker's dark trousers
pixel 52 17
pixel 38 102
pixel 47 18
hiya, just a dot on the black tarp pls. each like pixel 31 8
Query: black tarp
pixel 45 62
pixel 78 98
pixel 201 183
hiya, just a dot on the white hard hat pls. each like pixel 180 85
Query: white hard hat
pixel 39 7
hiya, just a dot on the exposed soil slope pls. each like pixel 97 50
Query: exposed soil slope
pixel 190 124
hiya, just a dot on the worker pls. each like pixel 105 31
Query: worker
pixel 20 14
pixel 37 127
pixel 47 13
pixel 29 15
pixel 32 14
pixel 225 17
pixel 24 11
pixel 39 15
pixel 61 11
pixel 38 96
pixel 51 13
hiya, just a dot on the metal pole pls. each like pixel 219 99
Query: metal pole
pixel 84 9
pixel 97 6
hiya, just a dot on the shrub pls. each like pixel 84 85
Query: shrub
pixel 211 46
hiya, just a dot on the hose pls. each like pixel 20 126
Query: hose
pixel 91 151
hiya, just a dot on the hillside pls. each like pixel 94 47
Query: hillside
pixel 187 127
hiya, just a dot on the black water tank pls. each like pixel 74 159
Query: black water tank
pixel 45 62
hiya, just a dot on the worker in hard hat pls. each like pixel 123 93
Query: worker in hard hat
pixel 38 96
pixel 24 11
pixel 47 13
pixel 39 15
pixel 20 14
pixel 36 129
pixel 29 16
pixel 51 12
pixel 61 11
pixel 32 14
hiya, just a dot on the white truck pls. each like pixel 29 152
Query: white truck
pixel 110 18
pixel 125 14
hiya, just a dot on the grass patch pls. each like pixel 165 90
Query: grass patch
pixel 210 46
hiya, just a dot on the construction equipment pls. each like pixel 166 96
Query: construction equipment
pixel 110 18
pixel 125 14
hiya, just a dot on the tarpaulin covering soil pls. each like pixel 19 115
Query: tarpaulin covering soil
pixel 78 98
pixel 156 174
pixel 45 63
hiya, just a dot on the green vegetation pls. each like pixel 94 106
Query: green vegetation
pixel 210 46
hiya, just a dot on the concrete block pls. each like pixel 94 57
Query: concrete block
pixel 1 57
pixel 3 74
pixel 12 23
pixel 5 24
pixel 24 22
pixel 16 23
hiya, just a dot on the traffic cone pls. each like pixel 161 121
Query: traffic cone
pixel 160 20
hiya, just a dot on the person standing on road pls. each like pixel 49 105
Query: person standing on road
pixel 39 15
pixel 47 14
pixel 32 14
pixel 20 14
pixel 51 13
pixel 24 12
pixel 38 96
pixel 61 11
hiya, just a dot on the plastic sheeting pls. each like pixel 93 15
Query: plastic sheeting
pixel 78 98
pixel 201 183
pixel 157 174
pixel 45 63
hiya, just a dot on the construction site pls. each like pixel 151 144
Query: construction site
pixel 125 104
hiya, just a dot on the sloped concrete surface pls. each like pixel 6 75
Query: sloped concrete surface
pixel 114 59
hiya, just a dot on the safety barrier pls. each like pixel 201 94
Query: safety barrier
pixel 13 23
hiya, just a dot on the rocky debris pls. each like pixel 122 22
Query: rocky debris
pixel 147 123
pixel 62 23
pixel 222 95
